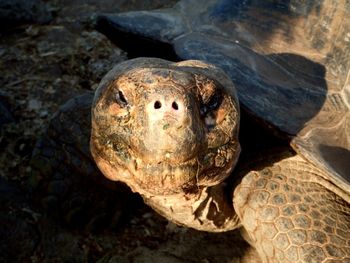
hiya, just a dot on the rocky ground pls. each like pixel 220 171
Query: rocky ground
pixel 46 58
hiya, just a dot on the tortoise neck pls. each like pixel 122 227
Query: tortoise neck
pixel 210 209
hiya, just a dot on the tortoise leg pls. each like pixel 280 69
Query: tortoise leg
pixel 291 213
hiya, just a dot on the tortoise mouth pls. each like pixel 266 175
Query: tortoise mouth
pixel 172 177
pixel 166 177
pixel 166 158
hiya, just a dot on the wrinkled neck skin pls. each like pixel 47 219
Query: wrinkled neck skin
pixel 210 209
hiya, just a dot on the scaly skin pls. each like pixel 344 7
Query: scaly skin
pixel 292 214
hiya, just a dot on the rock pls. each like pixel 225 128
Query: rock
pixel 6 115
pixel 15 12
pixel 18 234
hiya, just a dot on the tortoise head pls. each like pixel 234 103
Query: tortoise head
pixel 163 127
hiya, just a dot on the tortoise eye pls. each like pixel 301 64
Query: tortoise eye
pixel 120 98
pixel 213 103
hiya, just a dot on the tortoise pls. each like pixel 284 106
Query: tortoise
pixel 289 61
pixel 170 130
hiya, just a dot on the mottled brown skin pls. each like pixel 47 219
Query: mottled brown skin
pixel 177 158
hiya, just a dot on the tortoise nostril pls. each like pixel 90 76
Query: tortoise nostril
pixel 175 106
pixel 157 105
